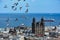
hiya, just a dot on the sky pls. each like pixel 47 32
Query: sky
pixel 35 6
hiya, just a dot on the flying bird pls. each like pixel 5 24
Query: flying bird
pixel 26 11
pixel 15 4
pixel 7 24
pixel 15 9
pixel 27 5
pixel 5 6
pixel 24 0
pixel 16 19
pixel 7 20
pixel 19 0
pixel 20 8
pixel 12 7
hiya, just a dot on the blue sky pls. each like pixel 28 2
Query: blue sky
pixel 35 6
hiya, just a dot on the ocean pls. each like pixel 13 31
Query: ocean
pixel 16 19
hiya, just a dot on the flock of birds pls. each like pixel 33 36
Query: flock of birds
pixel 14 8
pixel 16 20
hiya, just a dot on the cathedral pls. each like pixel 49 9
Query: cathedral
pixel 38 27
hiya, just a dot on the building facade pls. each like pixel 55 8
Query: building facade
pixel 33 25
pixel 38 27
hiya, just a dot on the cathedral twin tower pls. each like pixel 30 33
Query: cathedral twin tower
pixel 38 27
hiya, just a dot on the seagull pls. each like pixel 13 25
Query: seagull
pixel 5 6
pixel 12 7
pixel 15 4
pixel 15 9
pixel 27 5
pixel 26 11
pixel 7 20
pixel 19 0
pixel 20 8
pixel 24 0
pixel 16 19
